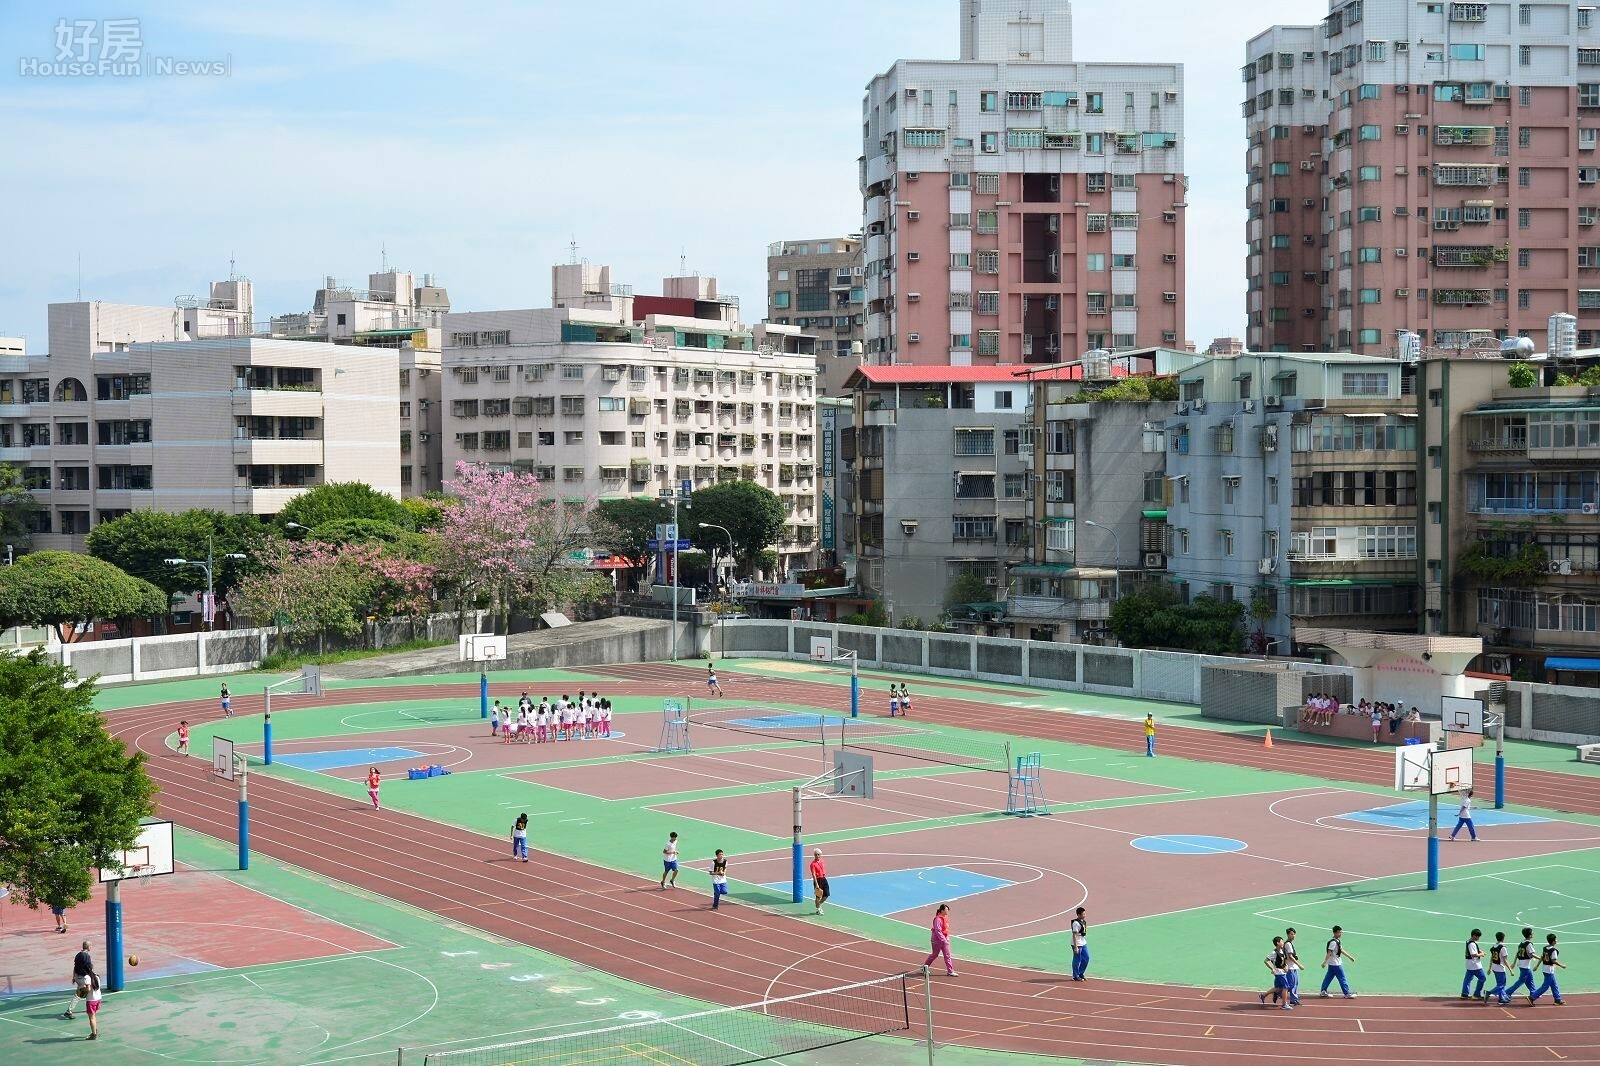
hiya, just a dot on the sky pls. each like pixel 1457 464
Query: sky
pixel 477 140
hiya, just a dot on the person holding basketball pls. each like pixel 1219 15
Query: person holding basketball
pixel 374 780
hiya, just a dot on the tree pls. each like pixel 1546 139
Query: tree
pixel 140 543
pixel 503 541
pixel 344 499
pixel 753 515
pixel 71 796
pixel 61 589
pixel 403 542
pixel 17 506
pixel 427 512
pixel 624 527
pixel 967 587
pixel 1520 375
pixel 1151 616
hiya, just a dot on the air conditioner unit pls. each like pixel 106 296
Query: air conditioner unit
pixel 1308 128
pixel 531 374
pixel 990 148
pixel 913 338
pixel 1591 508
pixel 1401 90
pixel 661 468
pixel 1564 567
pixel 1182 409
pixel 1402 294
pixel 913 175
pixel 1053 224
pixel 1169 179
pixel 1273 401
pixel 1198 407
pixel 1267 566
pixel 1169 216
pixel 1402 129
pixel 1309 201
pixel 1401 212
pixel 912 216
pixel 1249 406
pixel 1170 94
pixel 912 257
pixel 992 581
pixel 1402 46
pixel 1055 183
pixel 1497 664
pixel 1401 172
pixel 1050 303
pixel 1155 561
pixel 661 434
pixel 1170 257
pixel 1306 164
pixel 1308 240
pixel 425 437
pixel 1552 568
pixel 1400 253
pixel 913 297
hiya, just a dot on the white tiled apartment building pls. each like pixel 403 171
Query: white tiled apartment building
pixel 1021 203
pixel 1426 166
pixel 608 395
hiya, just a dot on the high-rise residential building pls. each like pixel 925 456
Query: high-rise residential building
pixel 607 395
pixel 1423 166
pixel 1021 204
pixel 819 286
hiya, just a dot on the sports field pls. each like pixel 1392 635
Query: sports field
pixel 1187 863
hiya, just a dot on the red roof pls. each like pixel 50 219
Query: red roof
pixel 912 374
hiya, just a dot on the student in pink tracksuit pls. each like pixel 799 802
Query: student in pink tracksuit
pixel 941 939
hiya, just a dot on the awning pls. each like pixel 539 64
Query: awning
pixel 1569 663
pixel 1041 570
pixel 1344 582
pixel 1156 515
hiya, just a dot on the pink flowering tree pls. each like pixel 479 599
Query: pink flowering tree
pixel 504 541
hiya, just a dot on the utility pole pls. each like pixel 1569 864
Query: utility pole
pixel 674 498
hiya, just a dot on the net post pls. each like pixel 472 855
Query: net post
pixel 1500 763
pixel 798 848
pixel 855 686
pixel 927 1001
pixel 266 728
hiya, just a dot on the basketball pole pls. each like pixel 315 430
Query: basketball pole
pixel 797 854
pixel 483 686
pixel 243 772
pixel 855 686
pixel 114 935
pixel 1500 762
pixel 1433 831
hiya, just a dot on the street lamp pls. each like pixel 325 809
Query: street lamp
pixel 722 616
pixel 296 525
pixel 725 533
pixel 676 498
pixel 208 565
pixel 1116 546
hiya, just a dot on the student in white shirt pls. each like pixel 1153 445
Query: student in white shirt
pixel 1474 956
pixel 1526 958
pixel 1464 817
pixel 1499 965
pixel 1334 961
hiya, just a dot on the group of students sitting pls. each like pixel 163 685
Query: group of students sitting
pixel 584 718
pixel 1321 709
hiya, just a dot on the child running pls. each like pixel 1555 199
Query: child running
pixel 719 879
pixel 183 738
pixel 711 679
pixel 374 781
pixel 227 701
pixel 519 837
pixel 905 700
pixel 894 701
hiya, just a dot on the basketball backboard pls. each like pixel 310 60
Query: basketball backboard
pixel 311 680
pixel 1411 772
pixel 821 649
pixel 222 758
pixel 1451 771
pixel 481 647
pixel 150 855
pixel 1462 715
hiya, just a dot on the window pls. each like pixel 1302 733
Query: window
pixel 1095 261
pixel 572 405
pixel 989 101
pixel 1015 486
pixel 953 98
pixel 1369 133
pixel 1524 55
pixel 613 403
pixel 1369 336
pixel 960 340
pixel 988 302
pixel 1369 214
pixel 1121 262
pixel 781 298
pixel 959 180
pixel 1226 537
pixel 988 184
pixel 1095 103
pixel 1058 438
pixel 1525 96
pixel 1280 170
pixel 923 138
pixel 1230 490
pixel 1589 94
pixel 972 527
pixel 1094 182
pixel 960 260
pixel 571 372
pixel 1524 177
pixel 1468 52
pixel 989 141
pixel 988 222
pixel 1369 296
pixel 1524 218
pixel 1023 139
pixel 974 441
pixel 1371 255
pixel 1524 257
pixel 1154 438
pixel 1368 92
pixel 1365 384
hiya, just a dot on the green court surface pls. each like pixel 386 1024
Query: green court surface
pixel 445 986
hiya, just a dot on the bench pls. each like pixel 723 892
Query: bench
pixel 1589 752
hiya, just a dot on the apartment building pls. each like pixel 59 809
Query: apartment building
pixel 609 394
pixel 818 285
pixel 1511 544
pixel 1021 204
pixel 915 526
pixel 1292 482
pixel 1423 166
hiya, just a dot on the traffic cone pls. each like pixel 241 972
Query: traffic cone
pixel 1268 743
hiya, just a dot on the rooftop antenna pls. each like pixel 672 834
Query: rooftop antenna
pixel 683 262
pixel 384 251
pixel 573 245
pixel 233 262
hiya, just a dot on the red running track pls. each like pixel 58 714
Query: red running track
pixel 623 924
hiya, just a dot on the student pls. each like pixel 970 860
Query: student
pixel 819 879
pixel 1334 961
pixel 519 837
pixel 905 700
pixel 541 722
pixel 1276 961
pixel 1291 969
pixel 669 862
pixel 1377 721
pixel 1526 957
pixel 59 913
pixel 1549 962
pixel 719 879
pixel 91 1004
pixel 494 716
pixel 1150 735
pixel 1080 945
pixel 605 717
pixel 1474 955
pixel 940 935
pixel 1499 965
pixel 227 701
pixel 711 679
pixel 374 781
pixel 183 738
pixel 82 968
pixel 1464 817
pixel 894 701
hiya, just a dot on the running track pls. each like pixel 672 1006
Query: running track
pixel 624 925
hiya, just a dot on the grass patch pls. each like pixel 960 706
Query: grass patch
pixel 279 661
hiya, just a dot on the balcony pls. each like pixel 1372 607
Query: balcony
pixel 305 452
pixel 1463 297
pixel 1468 255
pixel 13 364
pixel 13 454
pixel 1479 177
pixel 1523 506
pixel 1464 136
pixel 1499 446
pixel 1054 607
pixel 14 410
pixel 289 402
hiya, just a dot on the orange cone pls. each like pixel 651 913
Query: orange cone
pixel 1268 743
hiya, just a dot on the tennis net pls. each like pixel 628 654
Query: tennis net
pixel 728 1036
pixel 978 751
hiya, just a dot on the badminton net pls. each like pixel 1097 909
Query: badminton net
pixel 728 1036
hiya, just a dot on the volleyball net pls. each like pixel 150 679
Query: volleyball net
pixel 728 1036
pixel 968 748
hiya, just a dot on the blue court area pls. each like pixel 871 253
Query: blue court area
pixel 334 760
pixel 1414 815
pixel 786 721
pixel 885 892
pixel 1188 844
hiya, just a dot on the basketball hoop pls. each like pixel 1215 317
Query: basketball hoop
pixel 143 873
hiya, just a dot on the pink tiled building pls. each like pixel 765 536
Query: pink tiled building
pixel 1423 166
pixel 1020 206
